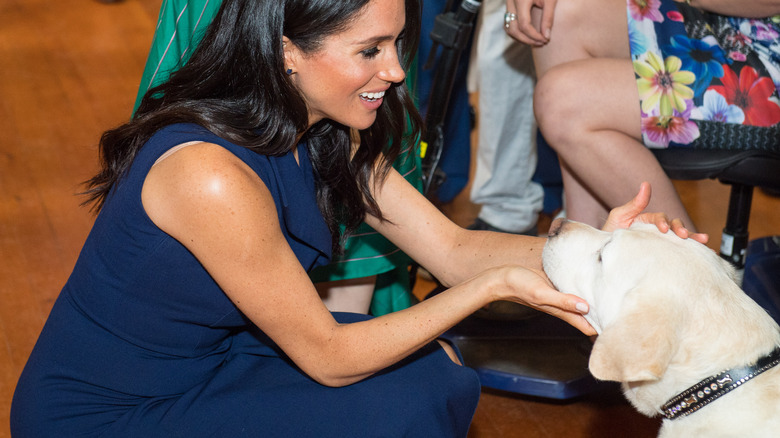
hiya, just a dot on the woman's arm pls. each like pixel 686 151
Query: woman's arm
pixel 740 8
pixel 449 252
pixel 453 254
pixel 214 204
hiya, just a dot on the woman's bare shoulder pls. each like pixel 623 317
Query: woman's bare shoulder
pixel 196 179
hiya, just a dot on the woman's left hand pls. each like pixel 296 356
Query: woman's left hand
pixel 627 214
pixel 523 27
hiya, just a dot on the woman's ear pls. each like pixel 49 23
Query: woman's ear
pixel 290 55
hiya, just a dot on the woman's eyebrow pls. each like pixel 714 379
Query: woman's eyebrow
pixel 375 39
pixel 381 38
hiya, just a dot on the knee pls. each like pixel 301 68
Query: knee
pixel 556 105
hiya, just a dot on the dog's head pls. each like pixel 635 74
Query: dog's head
pixel 641 285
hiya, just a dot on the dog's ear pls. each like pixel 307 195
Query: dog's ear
pixel 638 345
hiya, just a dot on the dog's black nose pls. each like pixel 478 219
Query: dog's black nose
pixel 555 227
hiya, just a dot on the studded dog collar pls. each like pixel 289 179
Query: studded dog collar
pixel 713 387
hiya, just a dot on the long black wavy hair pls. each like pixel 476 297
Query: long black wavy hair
pixel 234 85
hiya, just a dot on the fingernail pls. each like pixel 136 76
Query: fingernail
pixel 582 307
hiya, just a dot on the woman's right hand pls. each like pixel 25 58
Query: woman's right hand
pixel 632 211
pixel 534 21
pixel 533 289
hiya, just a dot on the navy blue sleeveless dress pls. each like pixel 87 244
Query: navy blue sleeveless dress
pixel 142 342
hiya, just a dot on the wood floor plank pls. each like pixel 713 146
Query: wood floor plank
pixel 69 71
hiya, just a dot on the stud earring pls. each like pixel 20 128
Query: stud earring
pixel 289 71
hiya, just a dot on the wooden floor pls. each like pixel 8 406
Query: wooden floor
pixel 68 71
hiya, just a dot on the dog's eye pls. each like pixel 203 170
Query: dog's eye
pixel 598 253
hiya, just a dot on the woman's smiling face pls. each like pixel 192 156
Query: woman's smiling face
pixel 345 80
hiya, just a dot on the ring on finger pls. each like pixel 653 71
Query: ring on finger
pixel 508 18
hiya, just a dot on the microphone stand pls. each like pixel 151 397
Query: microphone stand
pixel 451 31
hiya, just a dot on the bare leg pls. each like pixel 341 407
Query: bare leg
pixel 595 130
pixel 581 204
pixel 584 30
pixel 587 107
pixel 352 295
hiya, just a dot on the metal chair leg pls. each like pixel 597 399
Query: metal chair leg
pixel 734 240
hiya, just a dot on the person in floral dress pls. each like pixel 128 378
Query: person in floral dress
pixel 615 81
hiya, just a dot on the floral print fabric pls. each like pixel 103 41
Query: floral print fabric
pixel 704 80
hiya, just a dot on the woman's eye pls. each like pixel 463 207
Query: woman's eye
pixel 370 53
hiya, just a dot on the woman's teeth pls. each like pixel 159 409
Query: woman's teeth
pixel 372 96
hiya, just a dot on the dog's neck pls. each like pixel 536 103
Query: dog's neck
pixel 699 357
pixel 648 397
pixel 715 386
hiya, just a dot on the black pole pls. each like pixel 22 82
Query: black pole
pixel 735 239
pixel 451 31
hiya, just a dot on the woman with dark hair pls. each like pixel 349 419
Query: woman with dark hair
pixel 190 312
pixel 370 275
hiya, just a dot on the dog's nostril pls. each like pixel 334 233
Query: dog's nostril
pixel 555 227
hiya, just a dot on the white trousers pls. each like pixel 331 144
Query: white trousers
pixel 502 71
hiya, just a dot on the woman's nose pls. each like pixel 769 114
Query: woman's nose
pixel 392 71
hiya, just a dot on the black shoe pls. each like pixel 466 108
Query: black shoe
pixel 481 225
pixel 771 191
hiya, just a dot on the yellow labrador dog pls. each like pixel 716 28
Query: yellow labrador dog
pixel 674 328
